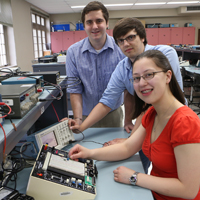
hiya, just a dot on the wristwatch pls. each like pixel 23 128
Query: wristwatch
pixel 133 178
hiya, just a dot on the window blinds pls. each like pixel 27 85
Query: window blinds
pixel 6 13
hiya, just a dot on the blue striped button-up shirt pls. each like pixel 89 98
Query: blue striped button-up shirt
pixel 93 69
pixel 120 79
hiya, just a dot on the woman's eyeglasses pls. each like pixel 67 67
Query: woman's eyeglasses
pixel 146 77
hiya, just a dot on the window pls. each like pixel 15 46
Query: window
pixel 39 35
pixel 3 58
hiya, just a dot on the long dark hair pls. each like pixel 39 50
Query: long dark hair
pixel 162 62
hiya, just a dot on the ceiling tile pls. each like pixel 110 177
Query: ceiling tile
pixel 64 6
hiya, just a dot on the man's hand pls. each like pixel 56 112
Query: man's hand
pixel 128 127
pixel 122 174
pixel 74 124
pixel 114 141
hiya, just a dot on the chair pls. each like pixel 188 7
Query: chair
pixel 187 84
pixel 195 92
pixel 187 80
pixel 191 88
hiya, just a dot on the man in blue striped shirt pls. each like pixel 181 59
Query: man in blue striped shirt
pixel 93 60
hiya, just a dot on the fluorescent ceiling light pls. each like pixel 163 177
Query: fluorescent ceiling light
pixel 107 5
pixel 77 6
pixel 158 3
pixel 183 2
pixel 126 4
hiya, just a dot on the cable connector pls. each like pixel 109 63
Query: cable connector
pixel 14 126
pixel 1 175
pixel 8 163
pixel 42 100
pixel 4 157
pixel 2 103
pixel 70 141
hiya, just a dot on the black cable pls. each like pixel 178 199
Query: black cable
pixel 18 152
pixel 94 142
pixel 9 72
pixel 75 82
pixel 82 140
pixel 57 87
pixel 17 166
pixel 26 157
pixel 77 140
pixel 4 110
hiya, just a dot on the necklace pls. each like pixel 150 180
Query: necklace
pixel 154 129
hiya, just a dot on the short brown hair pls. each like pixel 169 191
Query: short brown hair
pixel 125 25
pixel 92 6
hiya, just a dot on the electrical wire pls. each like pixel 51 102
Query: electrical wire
pixel 6 113
pixel 17 152
pixel 55 112
pixel 17 166
pixel 29 160
pixel 82 140
pixel 4 146
pixel 10 110
pixel 21 148
pixel 58 87
pixel 9 73
pixel 94 142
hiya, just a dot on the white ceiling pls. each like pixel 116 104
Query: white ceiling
pixel 64 6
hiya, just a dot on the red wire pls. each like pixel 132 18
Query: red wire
pixel 55 112
pixel 8 107
pixel 4 148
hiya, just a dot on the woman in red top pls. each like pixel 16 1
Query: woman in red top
pixel 169 134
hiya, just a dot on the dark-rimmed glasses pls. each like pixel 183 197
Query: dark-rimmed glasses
pixel 130 38
pixel 146 77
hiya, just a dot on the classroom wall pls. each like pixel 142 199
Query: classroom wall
pixel 23 34
pixel 23 27
pixel 164 16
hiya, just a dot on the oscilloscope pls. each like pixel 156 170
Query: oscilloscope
pixel 57 135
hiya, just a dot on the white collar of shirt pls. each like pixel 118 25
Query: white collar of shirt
pixel 88 47
pixel 98 51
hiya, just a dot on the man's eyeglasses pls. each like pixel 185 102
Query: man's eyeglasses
pixel 130 38
pixel 146 77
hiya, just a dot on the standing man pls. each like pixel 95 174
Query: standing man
pixel 130 35
pixel 93 60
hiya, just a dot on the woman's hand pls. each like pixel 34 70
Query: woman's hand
pixel 122 174
pixel 128 127
pixel 79 151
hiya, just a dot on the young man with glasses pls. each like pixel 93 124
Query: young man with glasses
pixel 130 35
